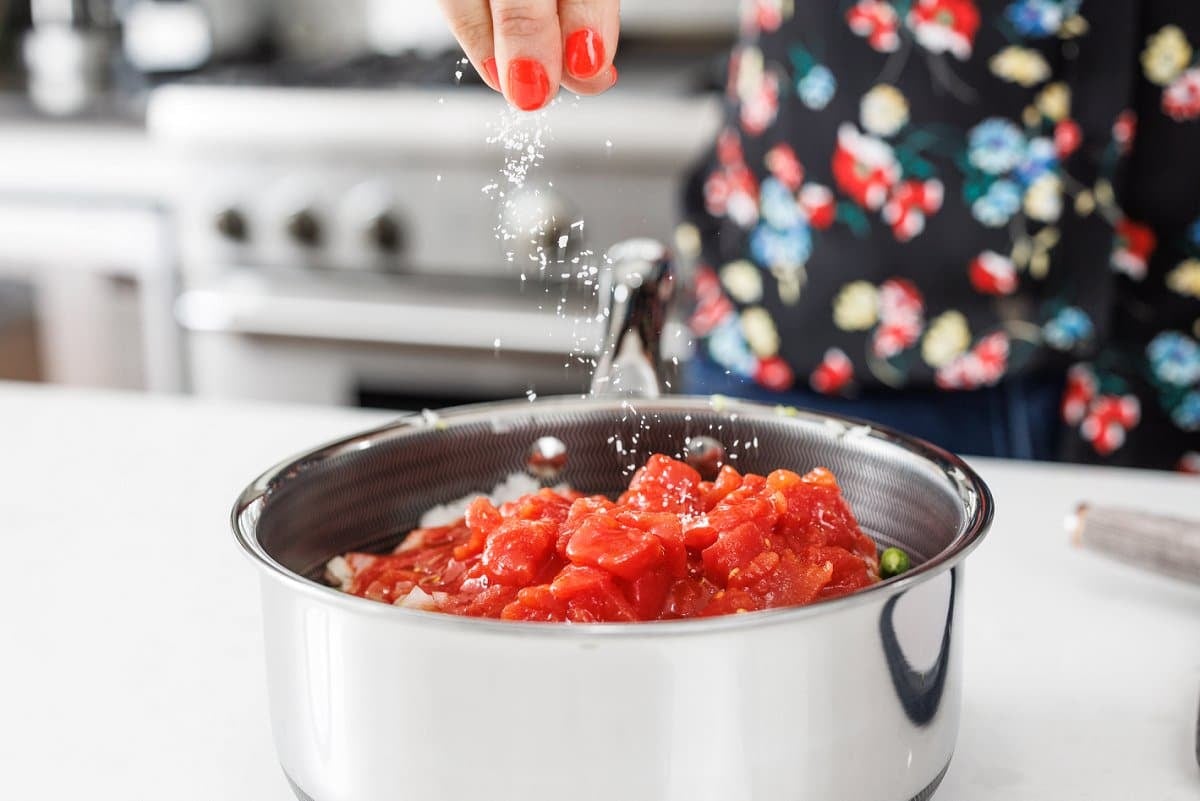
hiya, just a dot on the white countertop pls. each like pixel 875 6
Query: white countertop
pixel 124 677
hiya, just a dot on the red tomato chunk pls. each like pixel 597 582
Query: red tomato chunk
pixel 671 547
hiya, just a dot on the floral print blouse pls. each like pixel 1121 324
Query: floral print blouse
pixel 914 193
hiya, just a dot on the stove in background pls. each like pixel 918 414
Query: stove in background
pixel 336 244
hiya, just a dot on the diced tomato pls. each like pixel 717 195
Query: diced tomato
pixel 516 551
pixel 699 536
pixel 783 480
pixel 535 604
pixel 754 571
pixel 751 485
pixel 730 602
pixel 669 531
pixel 727 481
pixel 383 582
pixel 483 515
pixel 623 550
pixel 487 603
pixel 821 477
pixel 428 559
pixel 850 572
pixel 423 538
pixel 580 510
pixel 591 596
pixel 517 610
pixel 588 506
pixel 647 593
pixel 664 485
pixel 545 504
pixel 482 518
pixel 733 512
pixel 732 550
pixel 791 582
pixel 817 514
pixel 671 547
pixel 687 598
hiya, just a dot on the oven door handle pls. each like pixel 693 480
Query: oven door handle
pixel 393 323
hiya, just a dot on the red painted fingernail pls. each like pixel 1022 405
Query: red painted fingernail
pixel 493 75
pixel 583 55
pixel 528 84
pixel 614 76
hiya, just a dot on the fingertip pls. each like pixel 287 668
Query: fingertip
pixel 528 85
pixel 491 74
pixel 584 54
pixel 598 85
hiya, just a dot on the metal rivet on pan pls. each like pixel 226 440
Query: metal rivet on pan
pixel 706 455
pixel 547 457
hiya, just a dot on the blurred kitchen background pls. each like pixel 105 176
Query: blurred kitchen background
pixel 282 199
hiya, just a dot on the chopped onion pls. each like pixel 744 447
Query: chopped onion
pixel 337 571
pixel 417 598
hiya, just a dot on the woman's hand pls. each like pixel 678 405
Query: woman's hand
pixel 527 48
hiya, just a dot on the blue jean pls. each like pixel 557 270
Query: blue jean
pixel 1018 419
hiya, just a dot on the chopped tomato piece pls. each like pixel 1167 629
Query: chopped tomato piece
pixel 730 602
pixel 647 593
pixel 591 596
pixel 623 550
pixel 820 476
pixel 727 481
pixel 664 485
pixel 733 550
pixel 687 598
pixel 580 510
pixel 669 531
pixel 487 603
pixel 482 519
pixel 700 536
pixel 733 511
pixel 516 551
pixel 787 581
pixel 535 604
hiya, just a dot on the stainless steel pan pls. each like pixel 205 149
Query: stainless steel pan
pixel 855 699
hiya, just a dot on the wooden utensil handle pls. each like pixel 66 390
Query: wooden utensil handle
pixel 1166 545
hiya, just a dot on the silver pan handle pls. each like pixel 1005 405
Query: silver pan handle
pixel 636 296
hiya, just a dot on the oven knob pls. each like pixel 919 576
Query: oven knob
pixel 304 228
pixel 383 231
pixel 231 224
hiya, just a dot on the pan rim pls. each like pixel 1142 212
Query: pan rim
pixel 955 470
